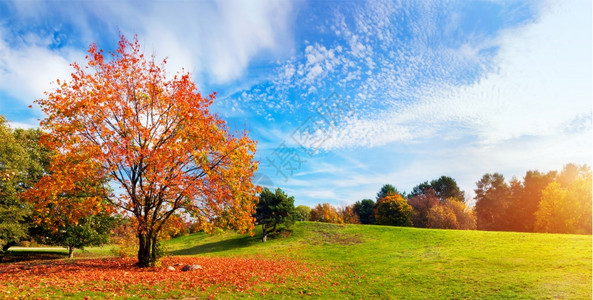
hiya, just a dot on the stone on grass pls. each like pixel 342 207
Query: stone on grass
pixel 191 267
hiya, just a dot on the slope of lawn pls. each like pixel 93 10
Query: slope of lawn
pixel 378 261
pixel 325 261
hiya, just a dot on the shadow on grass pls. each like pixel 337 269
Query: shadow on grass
pixel 224 245
pixel 232 243
pixel 17 256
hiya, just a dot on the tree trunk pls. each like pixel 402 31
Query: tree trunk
pixel 70 252
pixel 264 233
pixel 154 250
pixel 143 250
pixel 8 245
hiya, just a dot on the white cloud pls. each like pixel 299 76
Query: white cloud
pixel 542 83
pixel 214 40
pixel 28 68
pixel 218 40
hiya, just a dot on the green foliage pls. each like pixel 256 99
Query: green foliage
pixel 393 210
pixel 22 162
pixel 364 210
pixel 492 200
pixel 273 209
pixel 93 230
pixel 303 213
pixel 444 187
pixel 12 225
pixel 387 190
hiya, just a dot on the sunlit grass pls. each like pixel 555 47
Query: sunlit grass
pixel 364 262
pixel 379 261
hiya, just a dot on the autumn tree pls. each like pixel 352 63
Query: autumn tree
pixel 464 215
pixel 525 198
pixel 451 214
pixel 324 212
pixel 422 203
pixel 393 210
pixel 348 215
pixel 154 137
pixel 440 216
pixel 364 210
pixel 273 209
pixel 566 209
pixel 303 213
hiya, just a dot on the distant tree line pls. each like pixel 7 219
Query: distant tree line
pixel 554 202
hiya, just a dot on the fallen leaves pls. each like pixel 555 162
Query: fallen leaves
pixel 116 277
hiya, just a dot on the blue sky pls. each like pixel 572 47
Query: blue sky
pixel 345 96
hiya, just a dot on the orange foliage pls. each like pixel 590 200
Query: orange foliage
pixel 326 213
pixel 120 278
pixel 349 216
pixel 71 191
pixel 156 138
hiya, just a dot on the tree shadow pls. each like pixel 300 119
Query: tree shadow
pixel 224 245
pixel 19 256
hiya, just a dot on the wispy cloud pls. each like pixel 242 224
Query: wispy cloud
pixel 541 86
pixel 216 41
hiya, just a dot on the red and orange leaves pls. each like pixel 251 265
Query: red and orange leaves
pixel 121 278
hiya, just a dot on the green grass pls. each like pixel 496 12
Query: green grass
pixel 391 262
pixel 378 262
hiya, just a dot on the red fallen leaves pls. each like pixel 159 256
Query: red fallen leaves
pixel 120 277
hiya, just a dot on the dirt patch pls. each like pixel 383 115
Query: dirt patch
pixel 333 237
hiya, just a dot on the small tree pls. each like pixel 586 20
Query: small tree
pixel 440 216
pixel 364 210
pixel 303 213
pixel 70 204
pixel 422 204
pixel 324 212
pixel 492 199
pixel 349 216
pixel 393 210
pixel 93 230
pixel 273 209
pixel 464 215
pixel 566 209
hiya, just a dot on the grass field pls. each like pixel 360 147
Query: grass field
pixel 362 262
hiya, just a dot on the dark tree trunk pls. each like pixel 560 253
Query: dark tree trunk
pixel 144 248
pixel 8 245
pixel 154 250
pixel 70 252
pixel 264 233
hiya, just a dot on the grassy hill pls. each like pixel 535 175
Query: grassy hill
pixel 363 261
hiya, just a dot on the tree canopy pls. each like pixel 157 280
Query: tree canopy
pixel 393 210
pixel 387 190
pixel 153 136
pixel 273 209
pixel 22 162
